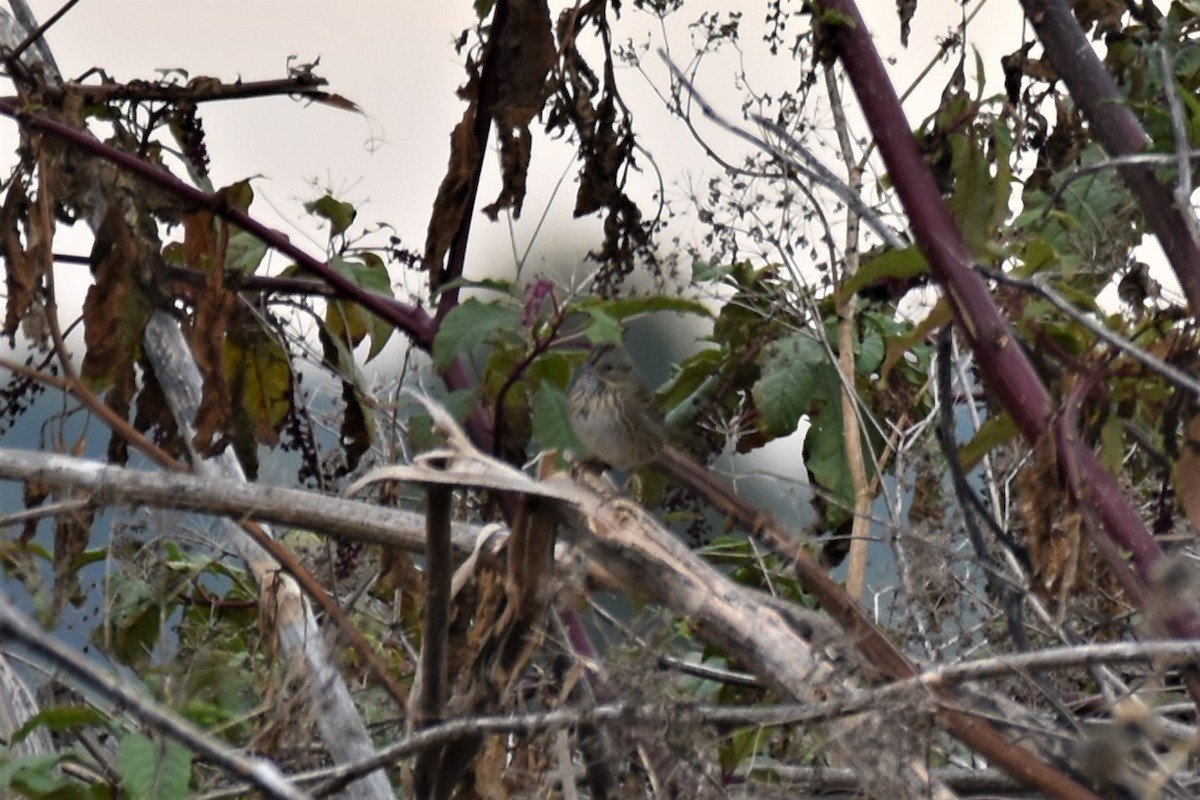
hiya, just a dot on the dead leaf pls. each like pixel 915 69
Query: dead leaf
pixel 208 327
pixel 453 198
pixel 22 275
pixel 1187 473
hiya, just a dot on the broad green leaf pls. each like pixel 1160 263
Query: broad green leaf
pixel 895 264
pixel 244 253
pixel 694 379
pixel 551 423
pixel 556 367
pixel 626 307
pixel 133 622
pixel 704 272
pixel 869 354
pixel 469 325
pixel 604 329
pixel 825 459
pixel 1187 66
pixel 745 743
pixel 150 770
pixel 260 380
pixel 59 718
pixel 38 777
pixel 993 432
pixel 899 346
pixel 340 215
pixel 1037 255
pixel 796 375
pixel 1001 147
pixel 972 202
pixel 237 195
pixel 506 288
pixel 1112 443
pixel 350 320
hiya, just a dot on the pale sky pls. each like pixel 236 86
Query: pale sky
pixel 395 60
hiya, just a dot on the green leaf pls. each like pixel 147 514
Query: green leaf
pixel 133 621
pixel 1112 443
pixel 604 329
pixel 244 253
pixel 551 422
pixel 694 380
pixel 993 432
pixel 348 319
pixel 237 195
pixel 340 215
pixel 469 325
pixel 1037 255
pixel 704 272
pixel 869 353
pixel 506 288
pixel 59 718
pixel 795 376
pixel 38 777
pixel 972 202
pixel 825 458
pixel 894 264
pixel 260 380
pixel 151 770
pixel 626 307
pixel 555 367
pixel 745 743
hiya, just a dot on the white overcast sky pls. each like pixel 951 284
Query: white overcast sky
pixel 396 61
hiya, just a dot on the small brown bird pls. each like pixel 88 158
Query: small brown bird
pixel 612 413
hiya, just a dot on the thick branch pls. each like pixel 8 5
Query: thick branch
pixel 348 519
pixel 1118 130
pixel 1005 368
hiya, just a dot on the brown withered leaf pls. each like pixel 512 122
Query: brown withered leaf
pixel 115 312
pixel 524 55
pixel 1061 149
pixel 454 196
pixel 36 495
pixel 72 531
pixel 1187 473
pixel 518 65
pixel 511 92
pixel 599 180
pixel 335 100
pixel 207 329
pixel 113 254
pixel 515 149
pixel 905 10
pixel 22 273
pixel 355 432
pixel 1105 15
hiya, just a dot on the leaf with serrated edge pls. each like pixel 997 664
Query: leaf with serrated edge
pixel 469 325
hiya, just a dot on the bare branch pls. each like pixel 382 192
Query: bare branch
pixel 809 167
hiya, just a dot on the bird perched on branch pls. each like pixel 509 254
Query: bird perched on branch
pixel 612 413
